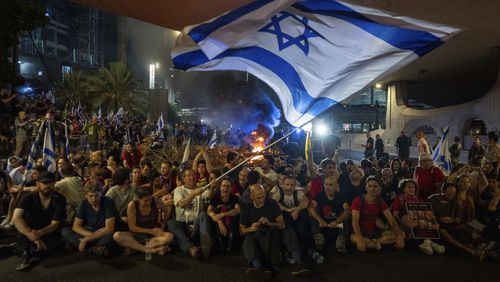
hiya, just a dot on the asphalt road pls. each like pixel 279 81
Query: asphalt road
pixel 384 265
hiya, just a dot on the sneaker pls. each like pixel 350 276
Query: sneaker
pixel 101 251
pixel 5 221
pixel 372 244
pixel 206 245
pixel 259 274
pixel 340 244
pixel 317 257
pixel 439 249
pixel 300 270
pixel 194 252
pixel 25 262
pixel 319 241
pixel 426 248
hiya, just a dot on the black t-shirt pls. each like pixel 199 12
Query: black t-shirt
pixel 350 191
pixel 388 192
pixel 250 214
pixel 485 214
pixel 36 216
pixel 94 220
pixel 369 144
pixel 219 206
pixel 328 209
pixel 233 175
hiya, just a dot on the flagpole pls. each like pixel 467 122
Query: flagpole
pixel 247 159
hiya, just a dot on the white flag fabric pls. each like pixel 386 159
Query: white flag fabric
pixel 441 155
pixel 213 140
pixel 187 151
pixel 312 53
pixel 49 152
pixel 119 114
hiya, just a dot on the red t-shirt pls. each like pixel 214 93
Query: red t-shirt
pixel 368 218
pixel 132 160
pixel 427 179
pixel 316 187
pixel 400 201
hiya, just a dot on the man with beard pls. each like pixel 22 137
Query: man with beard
pixel 37 218
pixel 263 226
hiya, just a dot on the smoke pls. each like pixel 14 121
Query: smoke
pixel 244 108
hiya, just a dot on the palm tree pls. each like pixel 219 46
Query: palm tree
pixel 73 88
pixel 117 87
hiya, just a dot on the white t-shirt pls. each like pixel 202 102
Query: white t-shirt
pixel 288 200
pixel 191 211
pixel 271 174
pixel 423 146
pixel 72 189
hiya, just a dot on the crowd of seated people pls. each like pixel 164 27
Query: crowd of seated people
pixel 281 209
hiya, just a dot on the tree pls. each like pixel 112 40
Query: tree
pixel 115 87
pixel 73 88
pixel 17 16
pixel 172 117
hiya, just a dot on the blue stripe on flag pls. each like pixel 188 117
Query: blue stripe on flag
pixel 49 152
pixel 202 31
pixel 418 41
pixel 302 101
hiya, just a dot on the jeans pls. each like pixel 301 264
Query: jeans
pixel 181 232
pixel 74 239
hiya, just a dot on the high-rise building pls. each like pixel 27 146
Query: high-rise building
pixel 77 37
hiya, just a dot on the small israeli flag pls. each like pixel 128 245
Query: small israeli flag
pixel 160 123
pixel 213 140
pixel 441 155
pixel 49 152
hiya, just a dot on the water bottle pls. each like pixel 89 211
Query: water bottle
pixel 148 254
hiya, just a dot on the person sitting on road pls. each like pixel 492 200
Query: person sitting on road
pixel 365 211
pixel 37 218
pixel 94 224
pixel 146 232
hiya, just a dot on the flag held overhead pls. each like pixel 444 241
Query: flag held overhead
pixel 312 53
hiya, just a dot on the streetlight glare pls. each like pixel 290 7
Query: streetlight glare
pixel 321 129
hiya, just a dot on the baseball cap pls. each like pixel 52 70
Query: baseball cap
pixel 424 156
pixel 46 177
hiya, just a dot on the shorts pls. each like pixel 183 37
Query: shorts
pixel 141 237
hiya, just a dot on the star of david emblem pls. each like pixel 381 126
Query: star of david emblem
pixel 286 40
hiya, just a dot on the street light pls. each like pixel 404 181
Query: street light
pixel 321 129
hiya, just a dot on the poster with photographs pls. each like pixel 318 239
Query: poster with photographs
pixel 423 221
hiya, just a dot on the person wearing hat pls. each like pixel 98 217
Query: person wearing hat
pixel 37 218
pixel 429 177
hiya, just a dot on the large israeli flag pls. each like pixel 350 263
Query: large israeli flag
pixel 313 53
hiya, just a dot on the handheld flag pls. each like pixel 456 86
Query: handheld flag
pixel 66 145
pixel 99 114
pixel 308 145
pixel 213 140
pixel 187 151
pixel 49 152
pixel 441 156
pixel 160 123
pixel 119 114
pixel 313 54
